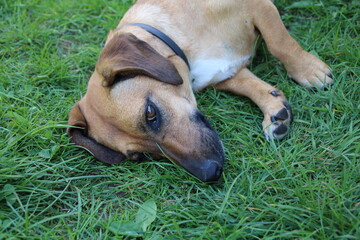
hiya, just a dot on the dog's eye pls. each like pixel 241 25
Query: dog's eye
pixel 150 113
pixel 152 116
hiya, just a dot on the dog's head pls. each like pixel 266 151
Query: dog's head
pixel 138 102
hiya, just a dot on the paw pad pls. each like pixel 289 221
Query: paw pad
pixel 280 123
pixel 281 129
pixel 288 107
pixel 281 115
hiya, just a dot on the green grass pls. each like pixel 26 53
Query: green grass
pixel 306 186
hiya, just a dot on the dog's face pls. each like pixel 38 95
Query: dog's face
pixel 138 102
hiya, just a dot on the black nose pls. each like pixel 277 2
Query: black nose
pixel 211 172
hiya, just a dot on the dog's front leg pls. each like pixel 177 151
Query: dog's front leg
pixel 271 101
pixel 303 67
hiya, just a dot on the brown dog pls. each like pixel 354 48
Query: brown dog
pixel 140 97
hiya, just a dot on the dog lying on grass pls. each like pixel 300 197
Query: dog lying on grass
pixel 140 97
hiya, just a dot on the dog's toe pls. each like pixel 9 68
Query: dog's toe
pixel 311 72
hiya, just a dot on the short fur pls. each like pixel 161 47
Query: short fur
pixel 138 77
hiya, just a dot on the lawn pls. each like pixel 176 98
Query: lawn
pixel 306 186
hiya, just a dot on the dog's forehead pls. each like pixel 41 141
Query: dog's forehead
pixel 140 88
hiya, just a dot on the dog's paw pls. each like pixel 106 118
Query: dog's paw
pixel 310 72
pixel 276 125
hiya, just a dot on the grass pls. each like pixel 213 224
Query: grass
pixel 306 186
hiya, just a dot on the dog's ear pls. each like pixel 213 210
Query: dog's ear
pixel 78 133
pixel 126 56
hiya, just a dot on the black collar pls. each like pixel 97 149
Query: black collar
pixel 163 37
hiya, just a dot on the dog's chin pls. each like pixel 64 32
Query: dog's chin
pixel 141 157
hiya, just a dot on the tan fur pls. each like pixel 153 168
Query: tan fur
pixel 112 112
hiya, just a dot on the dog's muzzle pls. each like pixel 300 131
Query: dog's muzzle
pixel 208 162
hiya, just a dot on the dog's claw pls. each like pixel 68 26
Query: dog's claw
pixel 275 92
pixel 273 119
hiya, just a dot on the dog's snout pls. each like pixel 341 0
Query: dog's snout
pixel 211 172
pixel 200 119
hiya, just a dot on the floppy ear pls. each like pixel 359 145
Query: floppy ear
pixel 126 56
pixel 78 134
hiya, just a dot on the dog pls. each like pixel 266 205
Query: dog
pixel 140 102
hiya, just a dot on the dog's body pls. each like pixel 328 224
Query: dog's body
pixel 140 97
